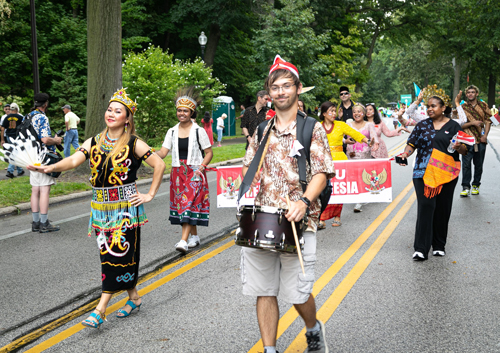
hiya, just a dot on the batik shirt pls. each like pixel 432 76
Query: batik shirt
pixel 40 122
pixel 251 119
pixel 479 112
pixel 425 138
pixel 280 176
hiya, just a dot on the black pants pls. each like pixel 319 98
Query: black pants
pixel 478 159
pixel 433 216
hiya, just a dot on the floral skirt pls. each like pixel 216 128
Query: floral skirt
pixel 189 199
pixel 119 252
pixel 331 211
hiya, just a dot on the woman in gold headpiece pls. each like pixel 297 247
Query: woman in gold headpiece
pixel 117 211
pixel 437 167
pixel 191 153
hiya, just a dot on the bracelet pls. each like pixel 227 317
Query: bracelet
pixel 203 165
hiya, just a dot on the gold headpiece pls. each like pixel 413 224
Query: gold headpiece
pixel 432 90
pixel 186 102
pixel 120 96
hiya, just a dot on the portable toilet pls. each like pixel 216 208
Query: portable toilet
pixel 224 104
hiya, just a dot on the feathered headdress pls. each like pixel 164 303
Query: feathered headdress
pixel 187 97
pixel 120 96
pixel 433 91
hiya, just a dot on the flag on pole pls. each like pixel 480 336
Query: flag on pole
pixel 495 119
pixel 465 138
pixel 417 89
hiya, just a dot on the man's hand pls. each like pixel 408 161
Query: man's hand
pixel 256 179
pixel 483 139
pixel 296 210
pixel 421 96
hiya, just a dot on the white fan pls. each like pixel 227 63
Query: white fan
pixel 23 151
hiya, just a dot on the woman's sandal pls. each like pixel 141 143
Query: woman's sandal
pixel 100 318
pixel 321 225
pixel 132 305
pixel 336 224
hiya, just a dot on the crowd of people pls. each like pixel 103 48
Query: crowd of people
pixel 348 131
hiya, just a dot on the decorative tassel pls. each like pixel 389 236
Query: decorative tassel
pixel 430 192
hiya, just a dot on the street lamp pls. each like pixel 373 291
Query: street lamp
pixel 202 39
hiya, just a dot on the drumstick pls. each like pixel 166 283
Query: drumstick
pixel 265 150
pixel 296 239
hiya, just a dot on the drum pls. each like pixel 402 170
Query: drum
pixel 265 227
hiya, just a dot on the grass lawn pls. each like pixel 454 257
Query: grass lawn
pixel 18 190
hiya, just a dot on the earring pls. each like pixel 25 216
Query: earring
pixel 126 125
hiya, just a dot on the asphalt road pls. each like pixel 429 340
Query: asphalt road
pixel 370 293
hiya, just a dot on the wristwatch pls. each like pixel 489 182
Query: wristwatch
pixel 306 201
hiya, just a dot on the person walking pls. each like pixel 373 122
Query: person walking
pixel 254 115
pixel 207 125
pixel 9 128
pixel 71 120
pixel 433 183
pixel 478 125
pixel 117 210
pixel 266 274
pixel 220 128
pixel 191 153
pixel 335 131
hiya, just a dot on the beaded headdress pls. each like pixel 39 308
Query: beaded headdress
pixel 432 90
pixel 187 97
pixel 120 96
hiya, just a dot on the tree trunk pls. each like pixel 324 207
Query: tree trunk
pixel 104 46
pixel 492 82
pixel 369 56
pixel 456 82
pixel 212 42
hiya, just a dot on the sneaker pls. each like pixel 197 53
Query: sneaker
pixel 9 175
pixel 357 208
pixel 316 340
pixel 181 246
pixel 20 173
pixel 418 256
pixel 35 226
pixel 475 190
pixel 47 227
pixel 193 241
pixel 438 253
pixel 465 192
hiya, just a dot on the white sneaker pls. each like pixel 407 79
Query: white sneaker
pixel 438 253
pixel 193 241
pixel 181 246
pixel 357 208
pixel 418 256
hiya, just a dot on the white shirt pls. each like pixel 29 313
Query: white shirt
pixel 220 123
pixel 194 157
pixel 72 119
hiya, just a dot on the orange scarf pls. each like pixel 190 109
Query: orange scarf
pixel 441 169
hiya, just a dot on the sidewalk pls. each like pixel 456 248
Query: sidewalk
pixel 15 210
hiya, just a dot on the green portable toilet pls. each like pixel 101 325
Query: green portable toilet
pixel 224 104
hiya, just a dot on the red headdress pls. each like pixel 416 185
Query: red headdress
pixel 280 64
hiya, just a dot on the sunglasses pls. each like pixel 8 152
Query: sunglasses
pixel 344 94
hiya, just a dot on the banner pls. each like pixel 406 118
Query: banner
pixel 356 181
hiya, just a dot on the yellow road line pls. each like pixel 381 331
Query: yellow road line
pixel 22 341
pixel 299 344
pixel 289 317
pixel 397 147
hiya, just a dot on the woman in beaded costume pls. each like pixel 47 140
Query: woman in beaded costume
pixel 191 153
pixel 117 213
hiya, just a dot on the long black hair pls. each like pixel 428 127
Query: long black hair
pixel 324 108
pixel 376 116
pixel 206 117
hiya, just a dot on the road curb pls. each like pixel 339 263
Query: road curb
pixel 26 206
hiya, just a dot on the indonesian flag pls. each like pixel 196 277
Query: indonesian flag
pixel 464 138
pixel 495 119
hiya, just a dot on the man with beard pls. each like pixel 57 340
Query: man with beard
pixel 265 273
pixel 478 125
pixel 254 115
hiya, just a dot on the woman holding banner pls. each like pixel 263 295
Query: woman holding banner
pixel 335 131
pixel 434 184
pixel 191 153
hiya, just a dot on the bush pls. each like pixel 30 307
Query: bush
pixel 154 77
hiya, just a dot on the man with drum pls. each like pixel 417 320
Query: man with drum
pixel 265 273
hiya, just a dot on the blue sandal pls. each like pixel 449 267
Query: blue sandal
pixel 100 317
pixel 132 305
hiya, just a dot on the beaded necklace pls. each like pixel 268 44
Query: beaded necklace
pixel 108 144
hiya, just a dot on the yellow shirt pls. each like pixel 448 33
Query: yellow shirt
pixel 335 138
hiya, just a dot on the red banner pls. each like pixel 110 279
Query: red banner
pixel 356 181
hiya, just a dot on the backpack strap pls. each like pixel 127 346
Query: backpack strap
pixel 304 130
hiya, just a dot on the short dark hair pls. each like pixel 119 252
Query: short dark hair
pixel 40 99
pixel 277 74
pixel 376 116
pixel 324 108
pixel 6 105
pixel 206 117
pixel 472 87
pixel 343 88
pixel 262 93
pixel 447 110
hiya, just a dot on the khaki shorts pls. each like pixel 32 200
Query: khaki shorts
pixel 266 273
pixel 41 179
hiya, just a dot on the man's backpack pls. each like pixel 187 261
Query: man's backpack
pixel 305 124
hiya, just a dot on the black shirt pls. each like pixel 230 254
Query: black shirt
pixel 10 124
pixel 347 112
pixel 183 147
pixel 251 119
